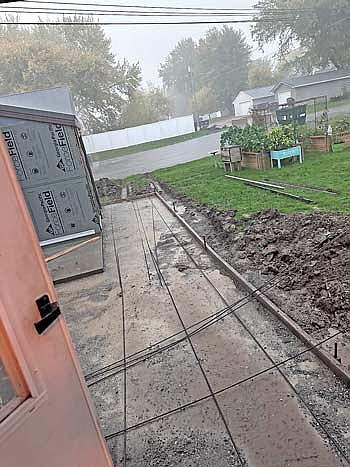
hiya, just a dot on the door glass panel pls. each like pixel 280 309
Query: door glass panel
pixel 7 392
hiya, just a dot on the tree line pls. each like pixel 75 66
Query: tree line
pixel 107 92
pixel 312 35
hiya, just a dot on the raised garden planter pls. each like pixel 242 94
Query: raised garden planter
pixel 231 156
pixel 319 144
pixel 346 138
pixel 295 151
pixel 256 160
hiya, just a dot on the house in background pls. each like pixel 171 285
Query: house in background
pixel 330 84
pixel 252 98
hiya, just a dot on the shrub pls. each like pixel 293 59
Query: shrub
pixel 341 125
pixel 231 137
pixel 250 138
pixel 281 137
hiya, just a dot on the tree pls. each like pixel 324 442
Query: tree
pixel 145 106
pixel 178 69
pixel 76 56
pixel 219 61
pixel 224 56
pixel 319 28
pixel 260 73
pixel 204 101
pixel 292 64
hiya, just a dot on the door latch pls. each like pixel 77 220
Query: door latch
pixel 49 312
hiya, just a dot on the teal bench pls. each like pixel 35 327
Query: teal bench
pixel 285 154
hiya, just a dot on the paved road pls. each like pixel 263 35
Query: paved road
pixel 148 161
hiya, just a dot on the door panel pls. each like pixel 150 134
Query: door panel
pixel 52 419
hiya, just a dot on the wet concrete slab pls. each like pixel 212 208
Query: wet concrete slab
pixel 131 306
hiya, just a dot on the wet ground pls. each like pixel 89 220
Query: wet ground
pixel 311 251
pixel 144 162
pixel 157 283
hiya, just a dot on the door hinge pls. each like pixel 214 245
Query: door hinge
pixel 49 312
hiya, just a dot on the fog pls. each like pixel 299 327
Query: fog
pixel 149 45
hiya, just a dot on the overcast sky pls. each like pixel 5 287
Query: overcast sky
pixel 149 45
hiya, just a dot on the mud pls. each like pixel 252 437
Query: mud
pixel 311 252
pixel 112 191
pixel 107 187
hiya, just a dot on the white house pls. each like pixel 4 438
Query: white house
pixel 250 98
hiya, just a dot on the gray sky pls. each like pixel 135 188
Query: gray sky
pixel 149 45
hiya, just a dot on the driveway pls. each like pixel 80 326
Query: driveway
pixel 143 162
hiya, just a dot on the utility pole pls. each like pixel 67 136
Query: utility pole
pixel 194 101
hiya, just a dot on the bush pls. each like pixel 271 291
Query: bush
pixel 250 138
pixel 231 137
pixel 281 137
pixel 341 125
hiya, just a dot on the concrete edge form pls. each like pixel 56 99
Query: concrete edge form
pixel 337 368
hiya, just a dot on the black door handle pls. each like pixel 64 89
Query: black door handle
pixel 49 312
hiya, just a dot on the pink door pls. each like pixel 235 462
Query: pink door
pixel 46 417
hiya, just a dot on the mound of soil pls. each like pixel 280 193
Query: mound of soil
pixel 309 252
pixel 108 188
pixel 111 190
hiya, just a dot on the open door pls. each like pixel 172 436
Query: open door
pixel 46 417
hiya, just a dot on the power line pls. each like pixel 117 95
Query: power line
pixel 146 7
pixel 135 23
pixel 237 12
pixel 151 7
pixel 50 11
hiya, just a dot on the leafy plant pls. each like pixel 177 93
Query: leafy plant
pixel 281 137
pixel 250 138
pixel 304 132
pixel 231 137
pixel 341 125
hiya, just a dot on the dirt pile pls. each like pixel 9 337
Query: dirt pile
pixel 309 252
pixel 112 191
pixel 108 188
pixel 312 253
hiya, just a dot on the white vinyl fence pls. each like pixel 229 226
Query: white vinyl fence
pixel 139 134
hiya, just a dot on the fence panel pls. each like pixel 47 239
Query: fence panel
pixel 139 134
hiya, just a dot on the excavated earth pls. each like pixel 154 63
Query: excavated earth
pixel 309 251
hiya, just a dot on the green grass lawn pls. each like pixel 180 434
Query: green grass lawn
pixel 103 155
pixel 201 181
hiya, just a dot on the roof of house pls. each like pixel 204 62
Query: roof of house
pixel 259 93
pixel 317 78
pixel 51 100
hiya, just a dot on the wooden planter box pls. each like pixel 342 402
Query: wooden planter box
pixel 256 160
pixel 319 144
pixel 346 138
